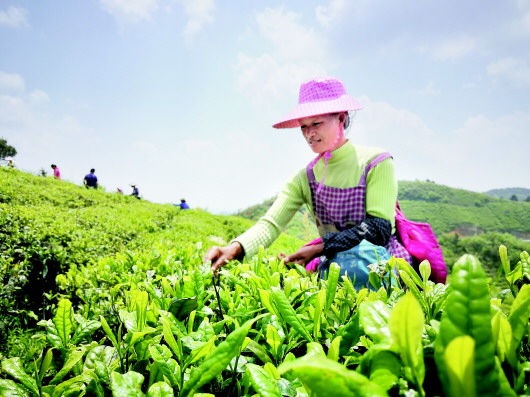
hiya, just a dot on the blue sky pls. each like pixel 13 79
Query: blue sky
pixel 179 96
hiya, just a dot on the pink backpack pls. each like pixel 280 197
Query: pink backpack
pixel 420 241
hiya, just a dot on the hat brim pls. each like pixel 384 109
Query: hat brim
pixel 343 104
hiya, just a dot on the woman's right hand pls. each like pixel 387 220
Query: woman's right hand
pixel 305 254
pixel 219 256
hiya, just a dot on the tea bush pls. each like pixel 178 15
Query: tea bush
pixel 108 295
pixel 48 227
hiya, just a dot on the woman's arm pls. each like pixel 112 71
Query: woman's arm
pixel 269 227
pixel 373 229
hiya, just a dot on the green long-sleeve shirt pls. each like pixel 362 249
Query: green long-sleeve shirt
pixel 344 170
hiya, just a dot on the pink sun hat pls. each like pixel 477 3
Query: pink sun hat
pixel 321 95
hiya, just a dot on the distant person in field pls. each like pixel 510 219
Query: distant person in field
pixel 351 191
pixel 135 191
pixel 183 205
pixel 10 163
pixel 91 180
pixel 56 172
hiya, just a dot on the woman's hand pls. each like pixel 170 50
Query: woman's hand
pixel 304 254
pixel 219 256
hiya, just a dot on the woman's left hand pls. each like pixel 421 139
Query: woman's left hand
pixel 304 254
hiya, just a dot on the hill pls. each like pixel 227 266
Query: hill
pixel 48 227
pixel 463 212
pixel 522 194
pixel 447 209
pixel 26 199
pixel 103 294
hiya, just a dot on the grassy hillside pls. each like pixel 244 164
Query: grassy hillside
pixel 47 226
pixel 464 212
pixel 44 201
pixel 104 295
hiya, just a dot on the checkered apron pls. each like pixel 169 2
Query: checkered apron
pixel 345 207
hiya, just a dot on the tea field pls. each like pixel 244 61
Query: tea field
pixel 106 295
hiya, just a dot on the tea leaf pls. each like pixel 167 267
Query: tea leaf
pixel 14 367
pixel 128 384
pixel 327 378
pixel 467 312
pixel 459 357
pixel 262 383
pixel 63 320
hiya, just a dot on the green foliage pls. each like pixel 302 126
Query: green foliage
pixel 6 150
pixel 49 228
pixel 483 246
pixel 461 211
pixel 145 316
pixel 150 350
pixel 431 192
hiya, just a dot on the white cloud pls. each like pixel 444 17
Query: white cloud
pixel 297 53
pixel 11 82
pixel 265 78
pixel 13 110
pixel 471 156
pixel 455 48
pixel 37 97
pixel 327 15
pixel 130 10
pixel 24 115
pixel 214 170
pixel 14 17
pixel 520 26
pixel 291 39
pixel 380 123
pixel 496 138
pixel 199 13
pixel 487 149
pixel 17 107
pixel 511 70
pixel 416 149
pixel 13 85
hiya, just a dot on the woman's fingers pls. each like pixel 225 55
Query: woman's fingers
pixel 219 256
pixel 294 258
pixel 212 254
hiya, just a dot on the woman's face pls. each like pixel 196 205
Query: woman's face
pixel 320 132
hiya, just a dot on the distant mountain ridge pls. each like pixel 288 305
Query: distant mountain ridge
pixel 521 193
pixel 448 210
